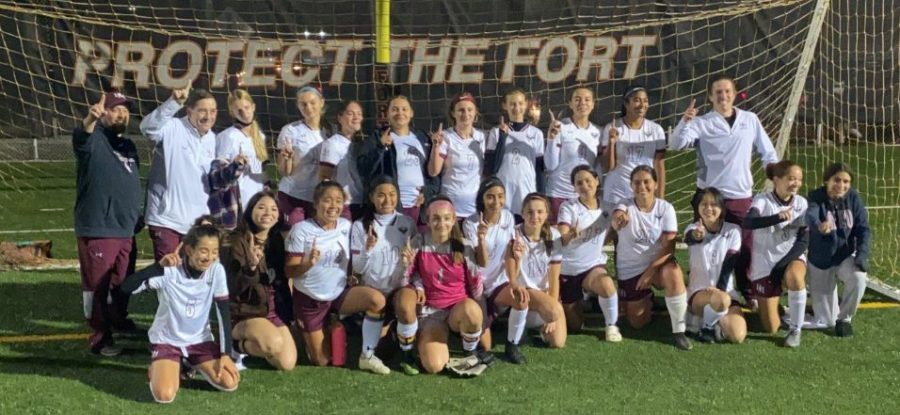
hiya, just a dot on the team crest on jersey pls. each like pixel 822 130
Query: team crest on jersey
pixel 344 232
pixel 742 125
pixel 648 133
pixel 595 134
pixel 403 229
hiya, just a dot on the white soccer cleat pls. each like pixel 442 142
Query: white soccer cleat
pixel 613 335
pixel 373 364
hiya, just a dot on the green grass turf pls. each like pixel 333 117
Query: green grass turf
pixel 644 374
pixel 28 187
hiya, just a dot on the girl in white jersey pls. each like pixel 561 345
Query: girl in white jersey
pixel 533 261
pixel 583 224
pixel 646 227
pixel 298 148
pixel 571 142
pixel 375 242
pixel 318 258
pixel 631 141
pixel 457 155
pixel 244 138
pixel 713 245
pixel 447 283
pixel 335 159
pixel 780 239
pixel 187 283
pixel 515 152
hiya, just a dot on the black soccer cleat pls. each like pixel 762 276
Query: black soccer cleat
pixel 486 358
pixel 707 336
pixel 513 354
pixel 843 329
pixel 681 342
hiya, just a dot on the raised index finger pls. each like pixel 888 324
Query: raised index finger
pixel 440 127
pixel 693 102
pixel 102 100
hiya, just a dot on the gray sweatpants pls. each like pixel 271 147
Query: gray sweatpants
pixel 823 291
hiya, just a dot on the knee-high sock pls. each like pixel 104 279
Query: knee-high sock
pixel 797 308
pixel 406 334
pixel 516 325
pixel 470 340
pixel 677 306
pixel 711 317
pixel 610 307
pixel 371 334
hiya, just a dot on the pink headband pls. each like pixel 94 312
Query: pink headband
pixel 438 204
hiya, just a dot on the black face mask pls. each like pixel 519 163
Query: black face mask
pixel 240 124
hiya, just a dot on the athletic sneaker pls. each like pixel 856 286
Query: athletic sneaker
pixel 513 354
pixel 718 334
pixel 843 329
pixel 613 335
pixel 373 364
pixel 238 359
pixel 487 358
pixel 109 350
pixel 469 366
pixel 792 339
pixel 408 363
pixel 681 342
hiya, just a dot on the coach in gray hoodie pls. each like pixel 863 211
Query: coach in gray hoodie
pixel 107 210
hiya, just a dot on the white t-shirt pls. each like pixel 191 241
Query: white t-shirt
pixel 572 147
pixel 463 161
pixel 229 144
pixel 772 243
pixel 497 239
pixel 327 279
pixel 634 147
pixel 335 153
pixel 178 186
pixel 301 184
pixel 706 257
pixel 182 318
pixel 382 267
pixel 517 168
pixel 585 252
pixel 411 160
pixel 724 152
pixel 536 261
pixel 640 241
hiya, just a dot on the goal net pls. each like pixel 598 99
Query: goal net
pixel 56 57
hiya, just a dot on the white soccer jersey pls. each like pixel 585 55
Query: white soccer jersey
pixel 463 161
pixel 301 184
pixel 634 147
pixel 772 243
pixel 177 188
pixel 585 252
pixel 640 241
pixel 706 257
pixel 327 279
pixel 497 239
pixel 336 153
pixel 182 317
pixel 517 168
pixel 229 144
pixel 411 160
pixel 724 152
pixel 572 147
pixel 536 261
pixel 382 267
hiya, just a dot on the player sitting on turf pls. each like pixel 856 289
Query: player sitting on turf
pixel 713 245
pixel 646 227
pixel 374 247
pixel 838 248
pixel 188 281
pixel 447 281
pixel 780 238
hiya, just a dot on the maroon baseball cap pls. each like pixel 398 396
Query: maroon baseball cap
pixel 116 98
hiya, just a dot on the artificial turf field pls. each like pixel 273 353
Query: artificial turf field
pixel 45 367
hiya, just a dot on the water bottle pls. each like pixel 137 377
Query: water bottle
pixel 338 343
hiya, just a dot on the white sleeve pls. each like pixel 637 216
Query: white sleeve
pixel 470 232
pixel 154 283
pixel 220 282
pixel 759 203
pixel 283 138
pixel 329 155
pixel 227 147
pixel 556 253
pixel 566 215
pixel 296 243
pixel 763 144
pixel 358 253
pixel 538 143
pixel 734 240
pixel 444 149
pixel 158 123
pixel 493 136
pixel 685 134
pixel 604 136
pixel 669 220
pixel 551 153
pixel 660 139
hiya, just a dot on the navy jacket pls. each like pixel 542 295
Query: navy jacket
pixel 373 159
pixel 851 235
pixel 108 188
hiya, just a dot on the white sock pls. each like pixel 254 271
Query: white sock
pixel 406 334
pixel 610 307
pixel 797 303
pixel 677 306
pixel 711 317
pixel 470 340
pixel 516 325
pixel 371 334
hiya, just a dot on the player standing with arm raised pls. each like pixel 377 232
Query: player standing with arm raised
pixel 335 158
pixel 457 155
pixel 244 138
pixel 107 209
pixel 178 187
pixel 297 159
